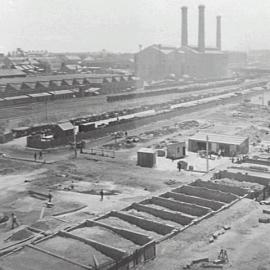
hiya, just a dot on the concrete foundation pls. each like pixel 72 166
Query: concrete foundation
pixel 176 217
pixel 187 208
pixel 143 223
pixel 33 259
pixel 225 188
pixel 206 193
pixel 253 177
pixel 214 205
pixel 146 215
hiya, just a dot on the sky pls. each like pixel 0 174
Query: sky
pixel 121 25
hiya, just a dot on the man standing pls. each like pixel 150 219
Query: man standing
pixel 50 197
pixel 179 166
pixel 35 156
pixel 14 221
pixel 101 195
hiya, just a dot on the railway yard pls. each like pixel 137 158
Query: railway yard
pixel 150 218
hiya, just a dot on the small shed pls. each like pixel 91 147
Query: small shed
pixel 176 150
pixel 146 157
pixel 64 130
pixel 6 136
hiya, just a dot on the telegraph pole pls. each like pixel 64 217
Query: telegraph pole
pixel 207 152
pixel 74 141
pixel 46 109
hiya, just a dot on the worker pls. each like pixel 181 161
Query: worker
pixel 40 154
pixel 264 192
pixel 219 153
pixel 35 156
pixel 179 166
pixel 50 196
pixel 72 185
pixel 101 195
pixel 14 221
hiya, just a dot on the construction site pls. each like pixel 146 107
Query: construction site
pixel 173 176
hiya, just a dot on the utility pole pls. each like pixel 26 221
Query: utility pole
pixel 207 153
pixel 74 141
pixel 46 109
pixel 264 88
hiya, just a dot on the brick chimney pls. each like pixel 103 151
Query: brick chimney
pixel 201 33
pixel 184 29
pixel 218 33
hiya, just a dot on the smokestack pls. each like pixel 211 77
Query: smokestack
pixel 201 36
pixel 184 37
pixel 219 33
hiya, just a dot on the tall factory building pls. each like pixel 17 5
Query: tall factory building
pixel 157 62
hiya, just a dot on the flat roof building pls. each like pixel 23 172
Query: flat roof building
pixel 229 145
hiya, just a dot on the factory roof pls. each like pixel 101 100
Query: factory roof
pixel 53 77
pixel 207 50
pixel 17 97
pixel 11 72
pixel 61 92
pixel 39 95
pixel 217 138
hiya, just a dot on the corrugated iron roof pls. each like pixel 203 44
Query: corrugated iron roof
pixel 218 138
pixel 65 126
pixel 147 150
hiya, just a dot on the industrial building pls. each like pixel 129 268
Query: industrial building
pixel 228 145
pixel 108 83
pixel 157 62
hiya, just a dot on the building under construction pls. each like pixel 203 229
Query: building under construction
pixel 157 62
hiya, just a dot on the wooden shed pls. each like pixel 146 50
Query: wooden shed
pixel 146 157
pixel 176 150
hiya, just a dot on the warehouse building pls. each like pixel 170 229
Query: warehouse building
pixel 158 62
pixel 229 145
pixel 108 83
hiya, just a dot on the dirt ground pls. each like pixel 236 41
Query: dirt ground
pixel 76 183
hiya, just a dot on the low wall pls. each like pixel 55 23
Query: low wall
pixel 135 237
pixel 243 177
pixel 206 193
pixel 141 255
pixel 225 188
pixel 187 208
pixel 214 205
pixel 114 253
pixel 166 215
pixel 144 223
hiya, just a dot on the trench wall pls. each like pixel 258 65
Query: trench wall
pixel 187 208
pixel 166 215
pixel 206 193
pixel 224 188
pixel 243 177
pixel 214 205
pixel 144 223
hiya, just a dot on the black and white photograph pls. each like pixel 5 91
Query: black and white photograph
pixel 134 135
